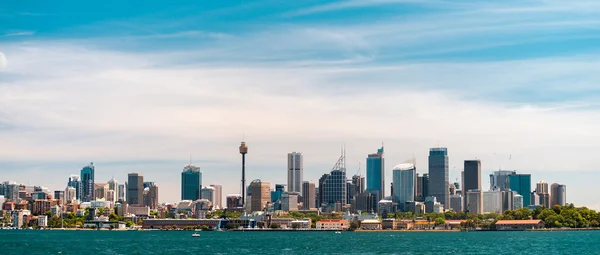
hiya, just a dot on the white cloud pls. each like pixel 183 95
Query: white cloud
pixel 20 33
pixel 3 60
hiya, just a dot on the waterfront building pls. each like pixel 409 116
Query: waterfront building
pixel 75 183
pixel 558 194
pixel 191 183
pixel 261 195
pixel 386 205
pixel 492 201
pixel 439 176
pixel 471 177
pixel 295 172
pixel 376 174
pixel 415 207
pixel 404 176
pixel 135 189
pixel 517 202
pixel 308 195
pixel 87 183
pixel 422 190
pixel 333 224
pixel 512 225
pixel 474 202
pixel 233 201
pixel 208 193
pixel 289 202
pixel 521 183
pixel 456 203
pixel 218 196
pixel 544 194
pixel 499 180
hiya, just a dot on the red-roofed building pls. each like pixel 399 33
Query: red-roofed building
pixel 519 224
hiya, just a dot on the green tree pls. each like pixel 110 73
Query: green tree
pixel 353 225
pixel 439 221
pixel 295 225
pixel 275 226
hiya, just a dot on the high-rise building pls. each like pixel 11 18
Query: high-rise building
pixel 492 201
pixel 308 195
pixel 359 184
pixel 208 193
pixel 456 203
pixel 543 192
pixel 517 202
pixel 261 195
pixel 439 176
pixel 101 191
pixel 535 198
pixel 499 180
pixel 113 185
pixel 151 195
pixel 422 187
pixel 558 194
pixel 243 151
pixel 295 171
pixel 218 196
pixel 191 183
pixel 135 189
pixel 471 177
pixel 121 190
pixel 364 202
pixel 474 202
pixel 75 183
pixel 87 183
pixel 233 201
pixel 332 186
pixel 376 174
pixel 521 183
pixel 322 183
pixel 70 195
pixel 289 201
pixel 404 176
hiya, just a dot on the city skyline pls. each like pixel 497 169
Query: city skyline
pixel 510 83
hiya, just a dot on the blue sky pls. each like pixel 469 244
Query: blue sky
pixel 138 86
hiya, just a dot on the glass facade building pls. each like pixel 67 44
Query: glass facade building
pixel 404 176
pixel 376 174
pixel 87 183
pixel 439 176
pixel 191 183
pixel 521 183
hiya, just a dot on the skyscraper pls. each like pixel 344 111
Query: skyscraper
pixel 543 193
pixel 471 177
pixel 521 183
pixel 376 174
pixel 475 204
pixel 295 171
pixel 191 183
pixel 121 193
pixel 308 195
pixel 499 180
pixel 243 151
pixel 558 194
pixel 404 176
pixel 422 190
pixel 151 195
pixel 332 186
pixel 439 176
pixel 87 183
pixel 75 183
pixel 359 184
pixel 218 196
pixel 113 185
pixel 261 195
pixel 208 193
pixel 135 189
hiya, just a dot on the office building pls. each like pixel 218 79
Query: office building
pixel 150 194
pixel 544 194
pixel 439 176
pixel 432 205
pixel 404 176
pixel 218 196
pixel 113 185
pixel 233 201
pixel 295 172
pixel 332 186
pixel 471 176
pixel 101 191
pixel 359 184
pixel 75 183
pixel 521 183
pixel 364 202
pixel 474 202
pixel 260 195
pixel 492 201
pixel 135 189
pixel 422 187
pixel 535 199
pixel 456 203
pixel 87 183
pixel 308 195
pixel 70 195
pixel 289 201
pixel 376 174
pixel 277 193
pixel 499 180
pixel 208 193
pixel 517 202
pixel 508 200
pixel 191 183
pixel 121 190
pixel 558 194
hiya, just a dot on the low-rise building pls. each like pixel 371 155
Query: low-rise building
pixel 519 224
pixel 370 224
pixel 333 224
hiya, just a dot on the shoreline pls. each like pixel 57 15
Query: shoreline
pixel 328 230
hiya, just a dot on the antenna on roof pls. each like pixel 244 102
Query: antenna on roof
pixel 190 159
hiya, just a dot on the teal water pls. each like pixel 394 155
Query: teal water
pixel 180 242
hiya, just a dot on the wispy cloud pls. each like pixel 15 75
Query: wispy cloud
pixel 20 33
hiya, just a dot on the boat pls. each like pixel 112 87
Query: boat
pixel 338 232
pixel 195 235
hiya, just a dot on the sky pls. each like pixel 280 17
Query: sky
pixel 143 86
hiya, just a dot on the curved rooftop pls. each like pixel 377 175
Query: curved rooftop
pixel 405 166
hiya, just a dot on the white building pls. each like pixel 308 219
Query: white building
pixel 218 196
pixel 43 221
pixel 492 202
pixel 475 202
pixel 517 202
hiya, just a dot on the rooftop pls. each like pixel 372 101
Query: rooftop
pixel 517 222
pixel 405 166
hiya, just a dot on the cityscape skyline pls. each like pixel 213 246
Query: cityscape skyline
pixel 500 177
pixel 512 83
